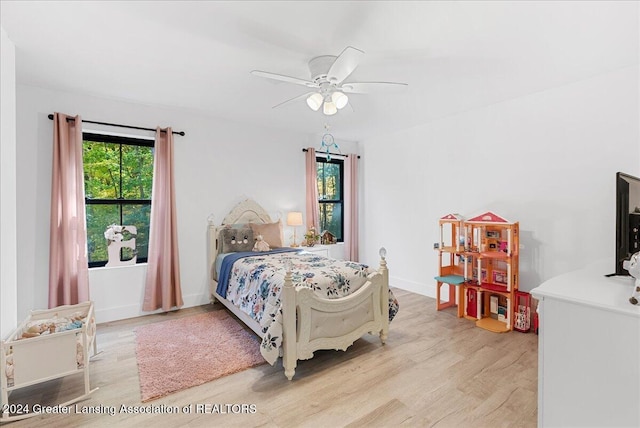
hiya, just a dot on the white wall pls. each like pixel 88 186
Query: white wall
pixel 218 163
pixel 547 160
pixel 8 232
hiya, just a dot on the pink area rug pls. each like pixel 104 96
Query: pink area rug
pixel 185 352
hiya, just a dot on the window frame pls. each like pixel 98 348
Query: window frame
pixel 121 140
pixel 338 161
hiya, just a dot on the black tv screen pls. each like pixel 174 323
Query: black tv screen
pixel 627 219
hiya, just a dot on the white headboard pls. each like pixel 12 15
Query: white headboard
pixel 247 211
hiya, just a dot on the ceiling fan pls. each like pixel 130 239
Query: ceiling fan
pixel 328 74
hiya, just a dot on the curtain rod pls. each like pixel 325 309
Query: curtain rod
pixel 332 154
pixel 181 133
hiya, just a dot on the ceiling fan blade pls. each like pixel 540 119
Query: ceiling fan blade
pixel 344 65
pixel 291 100
pixel 366 87
pixel 283 78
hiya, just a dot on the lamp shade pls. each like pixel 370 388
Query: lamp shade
pixel 314 101
pixel 329 108
pixel 294 218
pixel 339 99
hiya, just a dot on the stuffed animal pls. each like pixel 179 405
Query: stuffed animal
pixel 633 267
pixel 261 244
pixel 236 239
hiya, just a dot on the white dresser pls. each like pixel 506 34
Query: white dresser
pixel 334 251
pixel 589 350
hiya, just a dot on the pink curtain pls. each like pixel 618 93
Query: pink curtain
pixel 351 207
pixel 68 263
pixel 162 287
pixel 313 213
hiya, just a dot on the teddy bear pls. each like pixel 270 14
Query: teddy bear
pixel 261 244
pixel 633 267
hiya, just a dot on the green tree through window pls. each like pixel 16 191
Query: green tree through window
pixel 330 195
pixel 118 176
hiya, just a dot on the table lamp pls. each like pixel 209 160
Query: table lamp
pixel 294 219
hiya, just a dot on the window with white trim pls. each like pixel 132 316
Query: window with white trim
pixel 118 176
pixel 330 175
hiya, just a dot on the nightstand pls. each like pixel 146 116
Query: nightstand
pixel 334 251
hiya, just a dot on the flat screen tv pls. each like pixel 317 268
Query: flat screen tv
pixel 627 219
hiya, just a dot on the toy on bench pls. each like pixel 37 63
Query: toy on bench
pixel 633 267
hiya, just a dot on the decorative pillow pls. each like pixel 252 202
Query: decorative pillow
pixel 235 240
pixel 261 244
pixel 271 232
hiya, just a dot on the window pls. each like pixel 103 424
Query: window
pixel 330 195
pixel 118 176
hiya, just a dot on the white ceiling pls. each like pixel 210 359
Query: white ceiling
pixel 197 55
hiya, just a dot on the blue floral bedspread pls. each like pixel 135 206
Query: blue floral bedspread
pixel 256 280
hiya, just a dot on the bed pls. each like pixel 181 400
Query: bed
pixel 294 310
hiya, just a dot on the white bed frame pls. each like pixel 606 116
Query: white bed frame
pixel 310 322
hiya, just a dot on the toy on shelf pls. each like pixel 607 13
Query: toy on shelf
pixel 522 312
pixel 327 238
pixel 633 267
pixel 478 259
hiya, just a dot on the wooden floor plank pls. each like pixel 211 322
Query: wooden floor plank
pixel 435 370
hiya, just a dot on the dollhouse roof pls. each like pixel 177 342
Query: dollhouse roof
pixel 452 217
pixel 489 217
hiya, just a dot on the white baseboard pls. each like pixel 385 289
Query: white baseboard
pixel 428 290
pixel 133 311
pixel 116 313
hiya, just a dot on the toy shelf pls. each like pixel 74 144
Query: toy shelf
pixel 478 260
pixel 494 255
pixel 451 279
pixel 494 287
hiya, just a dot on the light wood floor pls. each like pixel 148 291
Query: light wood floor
pixel 435 370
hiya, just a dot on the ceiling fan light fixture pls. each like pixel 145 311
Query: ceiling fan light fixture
pixel 327 81
pixel 339 99
pixel 314 101
pixel 329 108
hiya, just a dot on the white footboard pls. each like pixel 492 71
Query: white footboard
pixel 336 324
pixel 311 322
